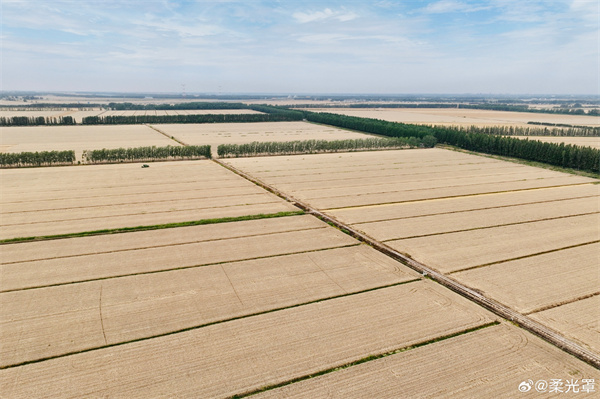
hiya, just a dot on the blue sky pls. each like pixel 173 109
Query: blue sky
pixel 289 46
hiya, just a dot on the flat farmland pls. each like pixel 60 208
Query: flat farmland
pixel 524 236
pixel 593 142
pixel 242 133
pixel 462 117
pixel 79 138
pixel 46 201
pixel 475 365
pixel 246 354
pixel 578 320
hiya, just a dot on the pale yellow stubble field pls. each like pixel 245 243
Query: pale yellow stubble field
pixel 78 138
pixel 242 133
pixel 462 117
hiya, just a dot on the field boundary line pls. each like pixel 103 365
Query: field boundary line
pixel 364 360
pixel 495 307
pixel 177 268
pixel 449 196
pixel 182 330
pixel 490 227
pixel 120 230
pixel 524 256
pixel 559 304
pixel 166 135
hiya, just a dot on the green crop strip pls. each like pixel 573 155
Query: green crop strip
pixel 152 227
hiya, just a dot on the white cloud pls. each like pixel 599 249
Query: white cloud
pixel 342 16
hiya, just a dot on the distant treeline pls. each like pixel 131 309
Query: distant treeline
pixel 43 158
pixel 569 156
pixel 320 146
pixel 146 154
pixel 36 120
pixel 172 107
pixel 579 131
pixel 269 114
pixel 491 107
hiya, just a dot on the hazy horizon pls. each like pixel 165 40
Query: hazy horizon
pixel 330 47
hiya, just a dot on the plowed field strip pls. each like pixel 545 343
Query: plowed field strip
pixel 192 193
pixel 139 221
pixel 556 305
pixel 383 167
pixel 577 320
pixel 45 216
pixel 397 197
pixel 161 245
pixel 382 237
pixel 461 211
pixel 200 231
pixel 524 256
pixel 383 173
pixel 374 185
pixel 479 364
pixel 148 306
pixel 500 243
pixel 560 276
pixel 43 273
pixel 7 210
pixel 262 350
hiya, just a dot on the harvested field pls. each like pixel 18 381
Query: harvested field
pixel 69 200
pixel 375 213
pixel 241 133
pixel 257 351
pixel 462 117
pixel 477 219
pixel 142 306
pixel 94 266
pixel 480 364
pixel 578 320
pixel 593 142
pixel 524 236
pixel 412 175
pixel 79 138
pixel 497 244
pixel 539 281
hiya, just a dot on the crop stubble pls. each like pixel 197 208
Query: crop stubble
pixel 257 351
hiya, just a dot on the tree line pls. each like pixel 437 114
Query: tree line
pixel 568 156
pixel 36 120
pixel 573 131
pixel 43 158
pixel 319 146
pixel 147 154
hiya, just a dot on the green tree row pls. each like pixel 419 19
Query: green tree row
pixel 569 156
pixel 208 118
pixel 43 158
pixel 572 131
pixel 146 154
pixel 180 106
pixel 318 146
pixel 36 120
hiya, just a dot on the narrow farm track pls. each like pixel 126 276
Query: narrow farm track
pixel 579 236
